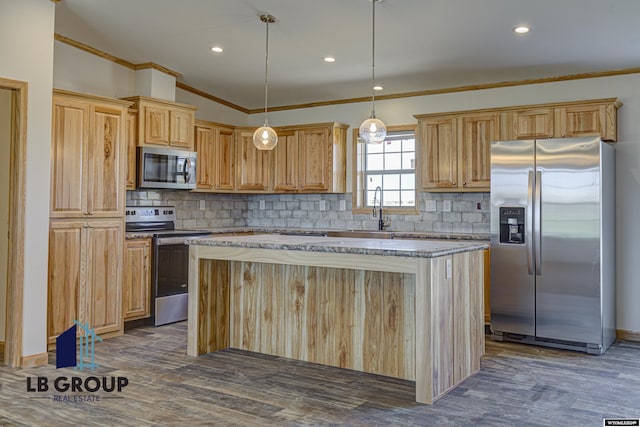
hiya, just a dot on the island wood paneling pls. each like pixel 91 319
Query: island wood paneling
pixel 356 319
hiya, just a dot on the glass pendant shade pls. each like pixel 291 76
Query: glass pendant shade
pixel 373 130
pixel 265 138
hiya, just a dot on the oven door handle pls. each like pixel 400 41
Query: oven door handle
pixel 163 241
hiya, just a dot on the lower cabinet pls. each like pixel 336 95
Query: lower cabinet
pixel 85 275
pixel 136 287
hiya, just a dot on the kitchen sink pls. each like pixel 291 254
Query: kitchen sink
pixel 361 234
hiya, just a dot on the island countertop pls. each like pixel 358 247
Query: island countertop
pixel 347 245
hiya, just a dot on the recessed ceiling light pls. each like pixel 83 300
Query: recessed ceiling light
pixel 216 49
pixel 329 59
pixel 521 29
pixel 378 88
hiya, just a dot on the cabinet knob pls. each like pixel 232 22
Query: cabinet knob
pixel 454 183
pixel 464 184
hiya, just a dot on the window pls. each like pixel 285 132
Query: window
pixel 391 166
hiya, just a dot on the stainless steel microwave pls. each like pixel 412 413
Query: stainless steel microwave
pixel 166 168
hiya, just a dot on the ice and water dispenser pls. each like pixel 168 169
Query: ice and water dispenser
pixel 512 225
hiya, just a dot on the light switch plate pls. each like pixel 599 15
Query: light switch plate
pixel 446 206
pixel 261 205
pixel 343 205
pixel 202 205
pixel 323 205
pixel 449 272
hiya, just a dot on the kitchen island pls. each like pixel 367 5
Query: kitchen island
pixel 410 309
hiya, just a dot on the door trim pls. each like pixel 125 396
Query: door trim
pixel 15 262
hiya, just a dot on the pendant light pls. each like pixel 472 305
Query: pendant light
pixel 373 130
pixel 265 138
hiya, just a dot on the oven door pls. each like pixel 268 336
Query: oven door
pixel 171 280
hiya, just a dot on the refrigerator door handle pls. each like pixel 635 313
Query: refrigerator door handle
pixel 529 237
pixel 538 223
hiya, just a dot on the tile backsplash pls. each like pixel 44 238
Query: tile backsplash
pixel 437 212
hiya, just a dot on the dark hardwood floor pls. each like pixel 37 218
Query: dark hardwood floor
pixel 519 385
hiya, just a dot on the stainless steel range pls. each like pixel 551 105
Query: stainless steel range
pixel 170 260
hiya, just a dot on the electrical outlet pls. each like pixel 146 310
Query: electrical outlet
pixel 262 205
pixel 343 205
pixel 430 205
pixel 323 205
pixel 202 205
pixel 446 206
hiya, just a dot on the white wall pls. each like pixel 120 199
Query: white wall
pixel 401 111
pixel 26 49
pixel 79 71
pixel 5 154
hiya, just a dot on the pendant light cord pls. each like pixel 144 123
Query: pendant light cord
pixel 373 59
pixel 267 19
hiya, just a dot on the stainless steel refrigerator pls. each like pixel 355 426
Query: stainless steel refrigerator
pixel 553 243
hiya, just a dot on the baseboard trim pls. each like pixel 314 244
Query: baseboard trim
pixel 34 360
pixel 627 335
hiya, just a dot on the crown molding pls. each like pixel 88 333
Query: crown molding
pixel 455 89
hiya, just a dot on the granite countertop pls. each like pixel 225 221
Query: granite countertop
pixel 423 248
pixel 322 232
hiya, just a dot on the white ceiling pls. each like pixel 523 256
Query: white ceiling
pixel 420 44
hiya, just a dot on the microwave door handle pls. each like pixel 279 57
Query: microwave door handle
pixel 187 168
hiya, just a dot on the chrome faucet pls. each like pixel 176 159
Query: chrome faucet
pixel 381 222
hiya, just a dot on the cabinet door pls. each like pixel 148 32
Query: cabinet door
pixel 315 153
pixel 156 125
pixel 68 158
pixel 131 136
pixel 587 120
pixel 253 164
pixel 477 132
pixel 136 287
pixel 286 162
pixel 65 260
pixel 181 129
pixel 438 153
pixel 103 282
pixel 224 159
pixel 205 165
pixel 106 162
pixel 531 124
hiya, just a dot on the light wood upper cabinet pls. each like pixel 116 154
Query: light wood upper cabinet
pixel 131 135
pixel 205 164
pixel 561 120
pixel 311 158
pixel 286 163
pixel 438 153
pixel 215 165
pixel 527 124
pixel 587 120
pixel 454 149
pixel 253 165
pixel 165 123
pixel 476 134
pixel 88 156
pixel 85 275
pixel 316 155
pixel 136 287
